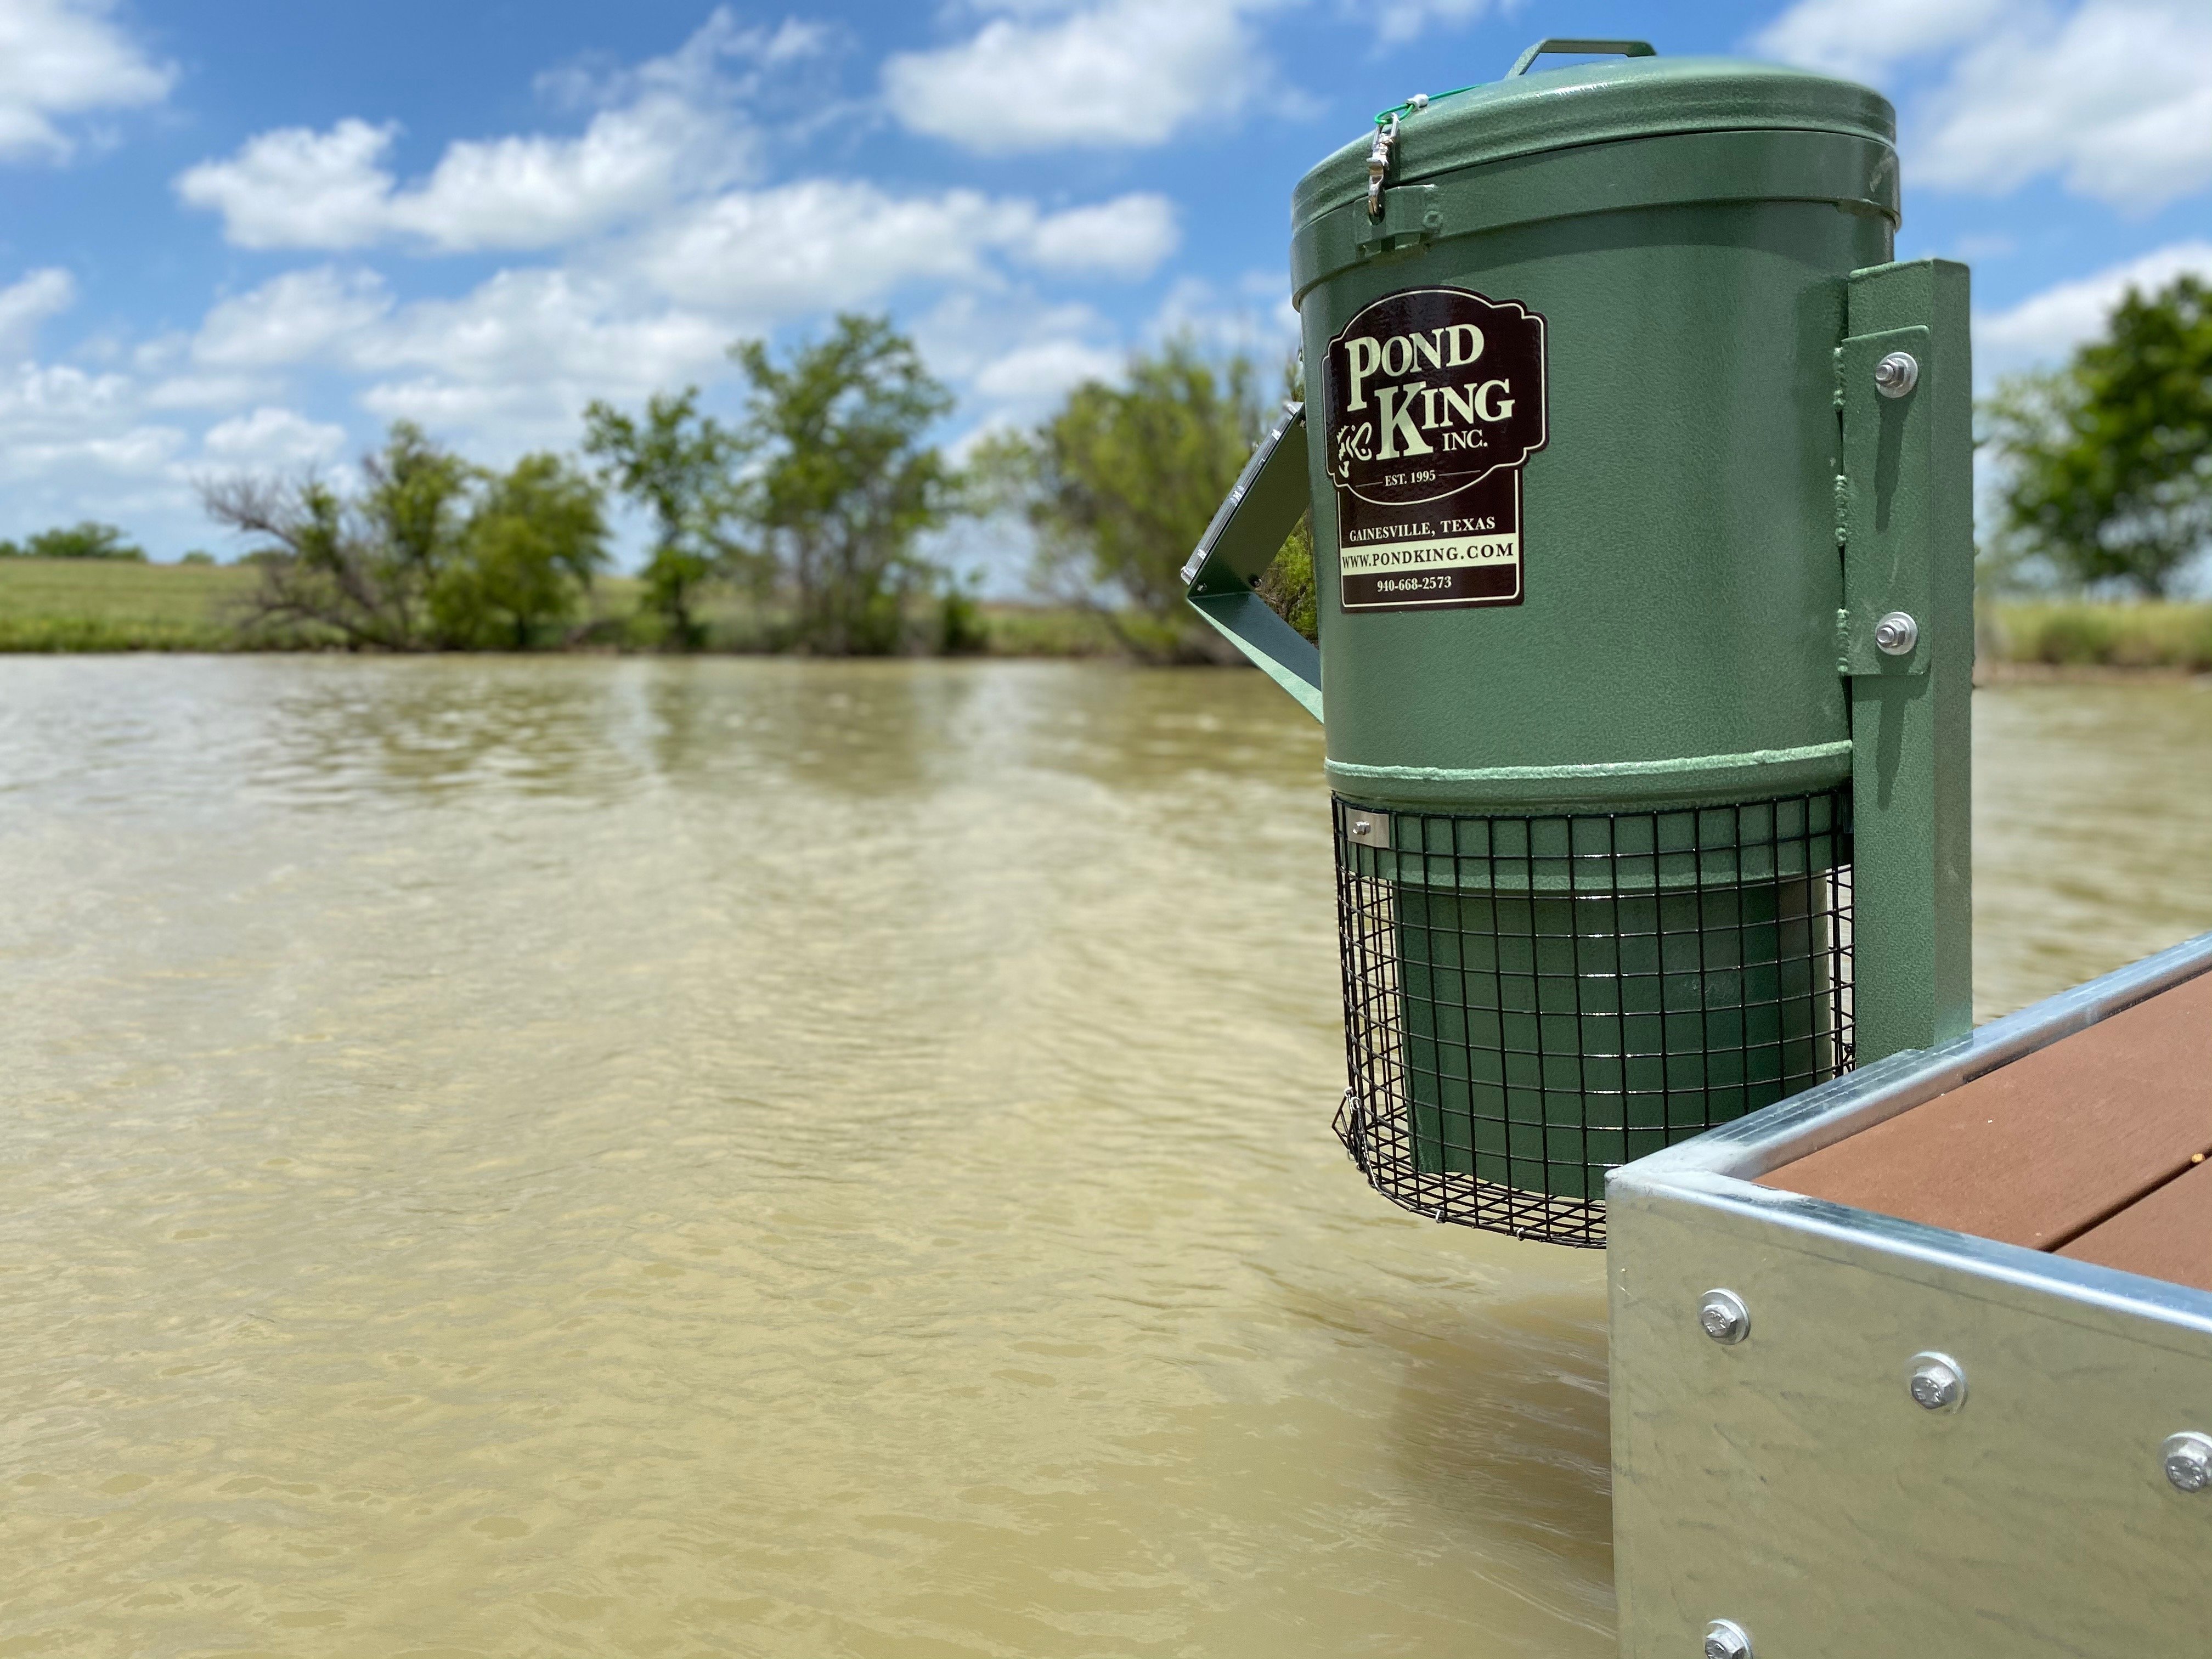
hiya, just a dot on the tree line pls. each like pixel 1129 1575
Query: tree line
pixel 810 502
pixel 811 507
pixel 87 540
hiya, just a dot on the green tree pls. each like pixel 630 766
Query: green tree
pixel 316 570
pixel 87 540
pixel 844 481
pixel 1121 483
pixel 2108 460
pixel 414 510
pixel 534 539
pixel 677 464
pixel 361 568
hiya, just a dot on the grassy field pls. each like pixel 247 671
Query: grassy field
pixel 101 604
pixel 2073 634
pixel 94 604
pixel 98 605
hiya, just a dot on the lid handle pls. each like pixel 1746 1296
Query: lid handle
pixel 1625 48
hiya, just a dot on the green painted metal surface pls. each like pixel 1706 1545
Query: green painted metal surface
pixel 1593 103
pixel 1248 530
pixel 1676 641
pixel 1905 500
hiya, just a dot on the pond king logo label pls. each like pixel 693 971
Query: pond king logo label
pixel 1436 398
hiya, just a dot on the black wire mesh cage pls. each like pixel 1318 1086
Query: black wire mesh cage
pixel 1532 1001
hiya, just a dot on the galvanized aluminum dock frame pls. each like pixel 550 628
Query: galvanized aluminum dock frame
pixel 1780 1487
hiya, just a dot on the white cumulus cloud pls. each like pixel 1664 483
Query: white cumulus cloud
pixel 1864 39
pixel 60 420
pixel 822 243
pixel 292 319
pixel 1039 373
pixel 765 256
pixel 25 304
pixel 64 58
pixel 293 187
pixel 2116 101
pixel 1117 72
pixel 674 131
pixel 1254 318
pixel 516 359
pixel 2046 325
pixel 296 188
pixel 273 439
pixel 2113 97
pixel 1128 237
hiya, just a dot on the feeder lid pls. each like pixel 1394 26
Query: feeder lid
pixel 1640 96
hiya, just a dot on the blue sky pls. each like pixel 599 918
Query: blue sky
pixel 249 235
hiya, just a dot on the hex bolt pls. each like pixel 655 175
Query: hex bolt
pixel 2188 1459
pixel 1896 374
pixel 1726 1639
pixel 1896 634
pixel 1723 1317
pixel 1361 826
pixel 1938 1382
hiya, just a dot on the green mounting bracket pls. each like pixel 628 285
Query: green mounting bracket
pixel 1271 494
pixel 1905 518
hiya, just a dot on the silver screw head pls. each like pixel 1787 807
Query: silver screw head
pixel 1938 1382
pixel 1723 1317
pixel 2188 1459
pixel 1896 374
pixel 1726 1639
pixel 1896 634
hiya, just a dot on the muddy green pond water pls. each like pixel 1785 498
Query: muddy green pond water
pixel 726 1158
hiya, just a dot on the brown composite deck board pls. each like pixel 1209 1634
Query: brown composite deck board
pixel 2167 1235
pixel 2037 1152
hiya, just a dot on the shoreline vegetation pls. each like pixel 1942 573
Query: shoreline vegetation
pixel 800 527
pixel 50 606
pixel 810 524
pixel 87 605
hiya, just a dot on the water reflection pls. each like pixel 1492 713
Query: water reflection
pixel 338 731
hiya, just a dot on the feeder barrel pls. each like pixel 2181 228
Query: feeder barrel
pixel 1603 539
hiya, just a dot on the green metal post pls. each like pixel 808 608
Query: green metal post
pixel 1905 504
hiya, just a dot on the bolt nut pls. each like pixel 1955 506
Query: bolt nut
pixel 1896 374
pixel 1938 1382
pixel 1723 1317
pixel 2188 1459
pixel 1726 1639
pixel 1896 634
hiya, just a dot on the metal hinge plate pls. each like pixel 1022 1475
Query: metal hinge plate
pixel 1368 828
